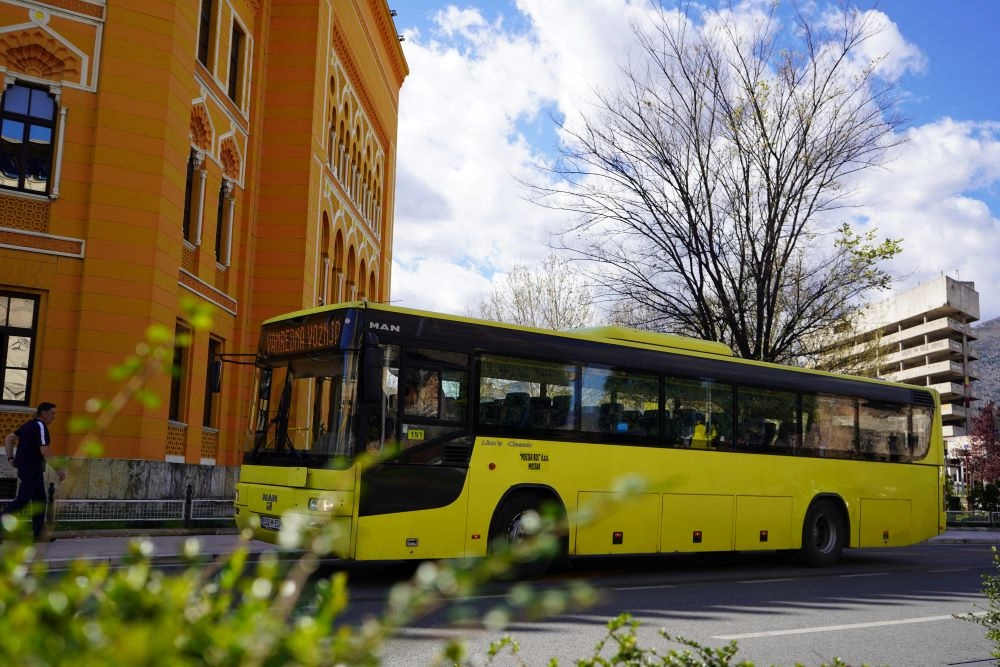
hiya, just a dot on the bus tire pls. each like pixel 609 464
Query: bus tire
pixel 508 532
pixel 824 534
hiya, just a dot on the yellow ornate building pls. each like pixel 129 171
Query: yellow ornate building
pixel 240 153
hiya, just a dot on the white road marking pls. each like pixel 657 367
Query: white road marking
pixel 834 628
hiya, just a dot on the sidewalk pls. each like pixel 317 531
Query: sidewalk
pixel 967 536
pixel 169 545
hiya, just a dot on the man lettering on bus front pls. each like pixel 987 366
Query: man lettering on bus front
pixel 32 451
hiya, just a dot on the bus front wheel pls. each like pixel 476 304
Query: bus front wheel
pixel 515 525
pixel 823 534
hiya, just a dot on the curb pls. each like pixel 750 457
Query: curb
pixel 141 532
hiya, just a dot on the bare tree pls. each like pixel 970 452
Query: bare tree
pixel 705 186
pixel 551 297
pixel 850 346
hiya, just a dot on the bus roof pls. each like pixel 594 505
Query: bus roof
pixel 663 340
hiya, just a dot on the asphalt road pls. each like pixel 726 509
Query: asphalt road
pixel 876 607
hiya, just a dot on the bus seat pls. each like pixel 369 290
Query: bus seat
pixel 560 411
pixel 611 416
pixel 451 408
pixel 786 440
pixel 770 433
pixel 649 422
pixel 490 412
pixel 515 408
pixel 538 411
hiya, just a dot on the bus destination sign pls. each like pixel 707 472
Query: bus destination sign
pixel 306 336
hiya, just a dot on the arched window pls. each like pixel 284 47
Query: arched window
pixel 26 138
pixel 338 267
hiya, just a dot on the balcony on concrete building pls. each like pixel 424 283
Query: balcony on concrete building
pixel 951 411
pixel 949 391
pixel 941 371
pixel 920 332
pixel 939 350
pixel 953 431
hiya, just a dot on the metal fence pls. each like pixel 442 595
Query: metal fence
pixel 118 510
pixel 978 518
pixel 187 510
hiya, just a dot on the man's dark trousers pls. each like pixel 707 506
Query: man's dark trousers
pixel 31 491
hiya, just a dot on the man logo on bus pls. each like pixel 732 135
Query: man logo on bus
pixel 270 499
pixel 378 326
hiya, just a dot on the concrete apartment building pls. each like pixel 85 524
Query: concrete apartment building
pixel 237 153
pixel 924 339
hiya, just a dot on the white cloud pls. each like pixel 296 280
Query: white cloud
pixel 437 284
pixel 894 55
pixel 473 87
pixel 467 130
pixel 926 197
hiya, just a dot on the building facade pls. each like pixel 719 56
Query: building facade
pixel 234 153
pixel 924 337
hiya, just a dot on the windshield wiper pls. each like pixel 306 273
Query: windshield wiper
pixel 280 424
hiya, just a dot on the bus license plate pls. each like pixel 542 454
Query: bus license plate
pixel 270 522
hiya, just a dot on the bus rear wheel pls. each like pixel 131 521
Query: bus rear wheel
pixel 824 534
pixel 515 524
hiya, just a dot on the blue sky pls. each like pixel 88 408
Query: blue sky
pixel 484 75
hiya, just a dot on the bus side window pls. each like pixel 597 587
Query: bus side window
pixel 921 420
pixel 883 430
pixel 525 394
pixel 615 399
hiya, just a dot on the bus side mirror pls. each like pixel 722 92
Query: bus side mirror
pixel 371 374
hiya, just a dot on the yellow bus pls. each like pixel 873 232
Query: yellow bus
pixel 476 423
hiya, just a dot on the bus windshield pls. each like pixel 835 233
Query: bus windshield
pixel 304 408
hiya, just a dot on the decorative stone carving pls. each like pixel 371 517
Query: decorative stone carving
pixel 36 53
pixel 201 130
pixel 229 156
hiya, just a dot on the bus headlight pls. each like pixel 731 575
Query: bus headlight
pixel 321 504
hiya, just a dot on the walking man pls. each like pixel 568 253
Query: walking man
pixel 32 450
